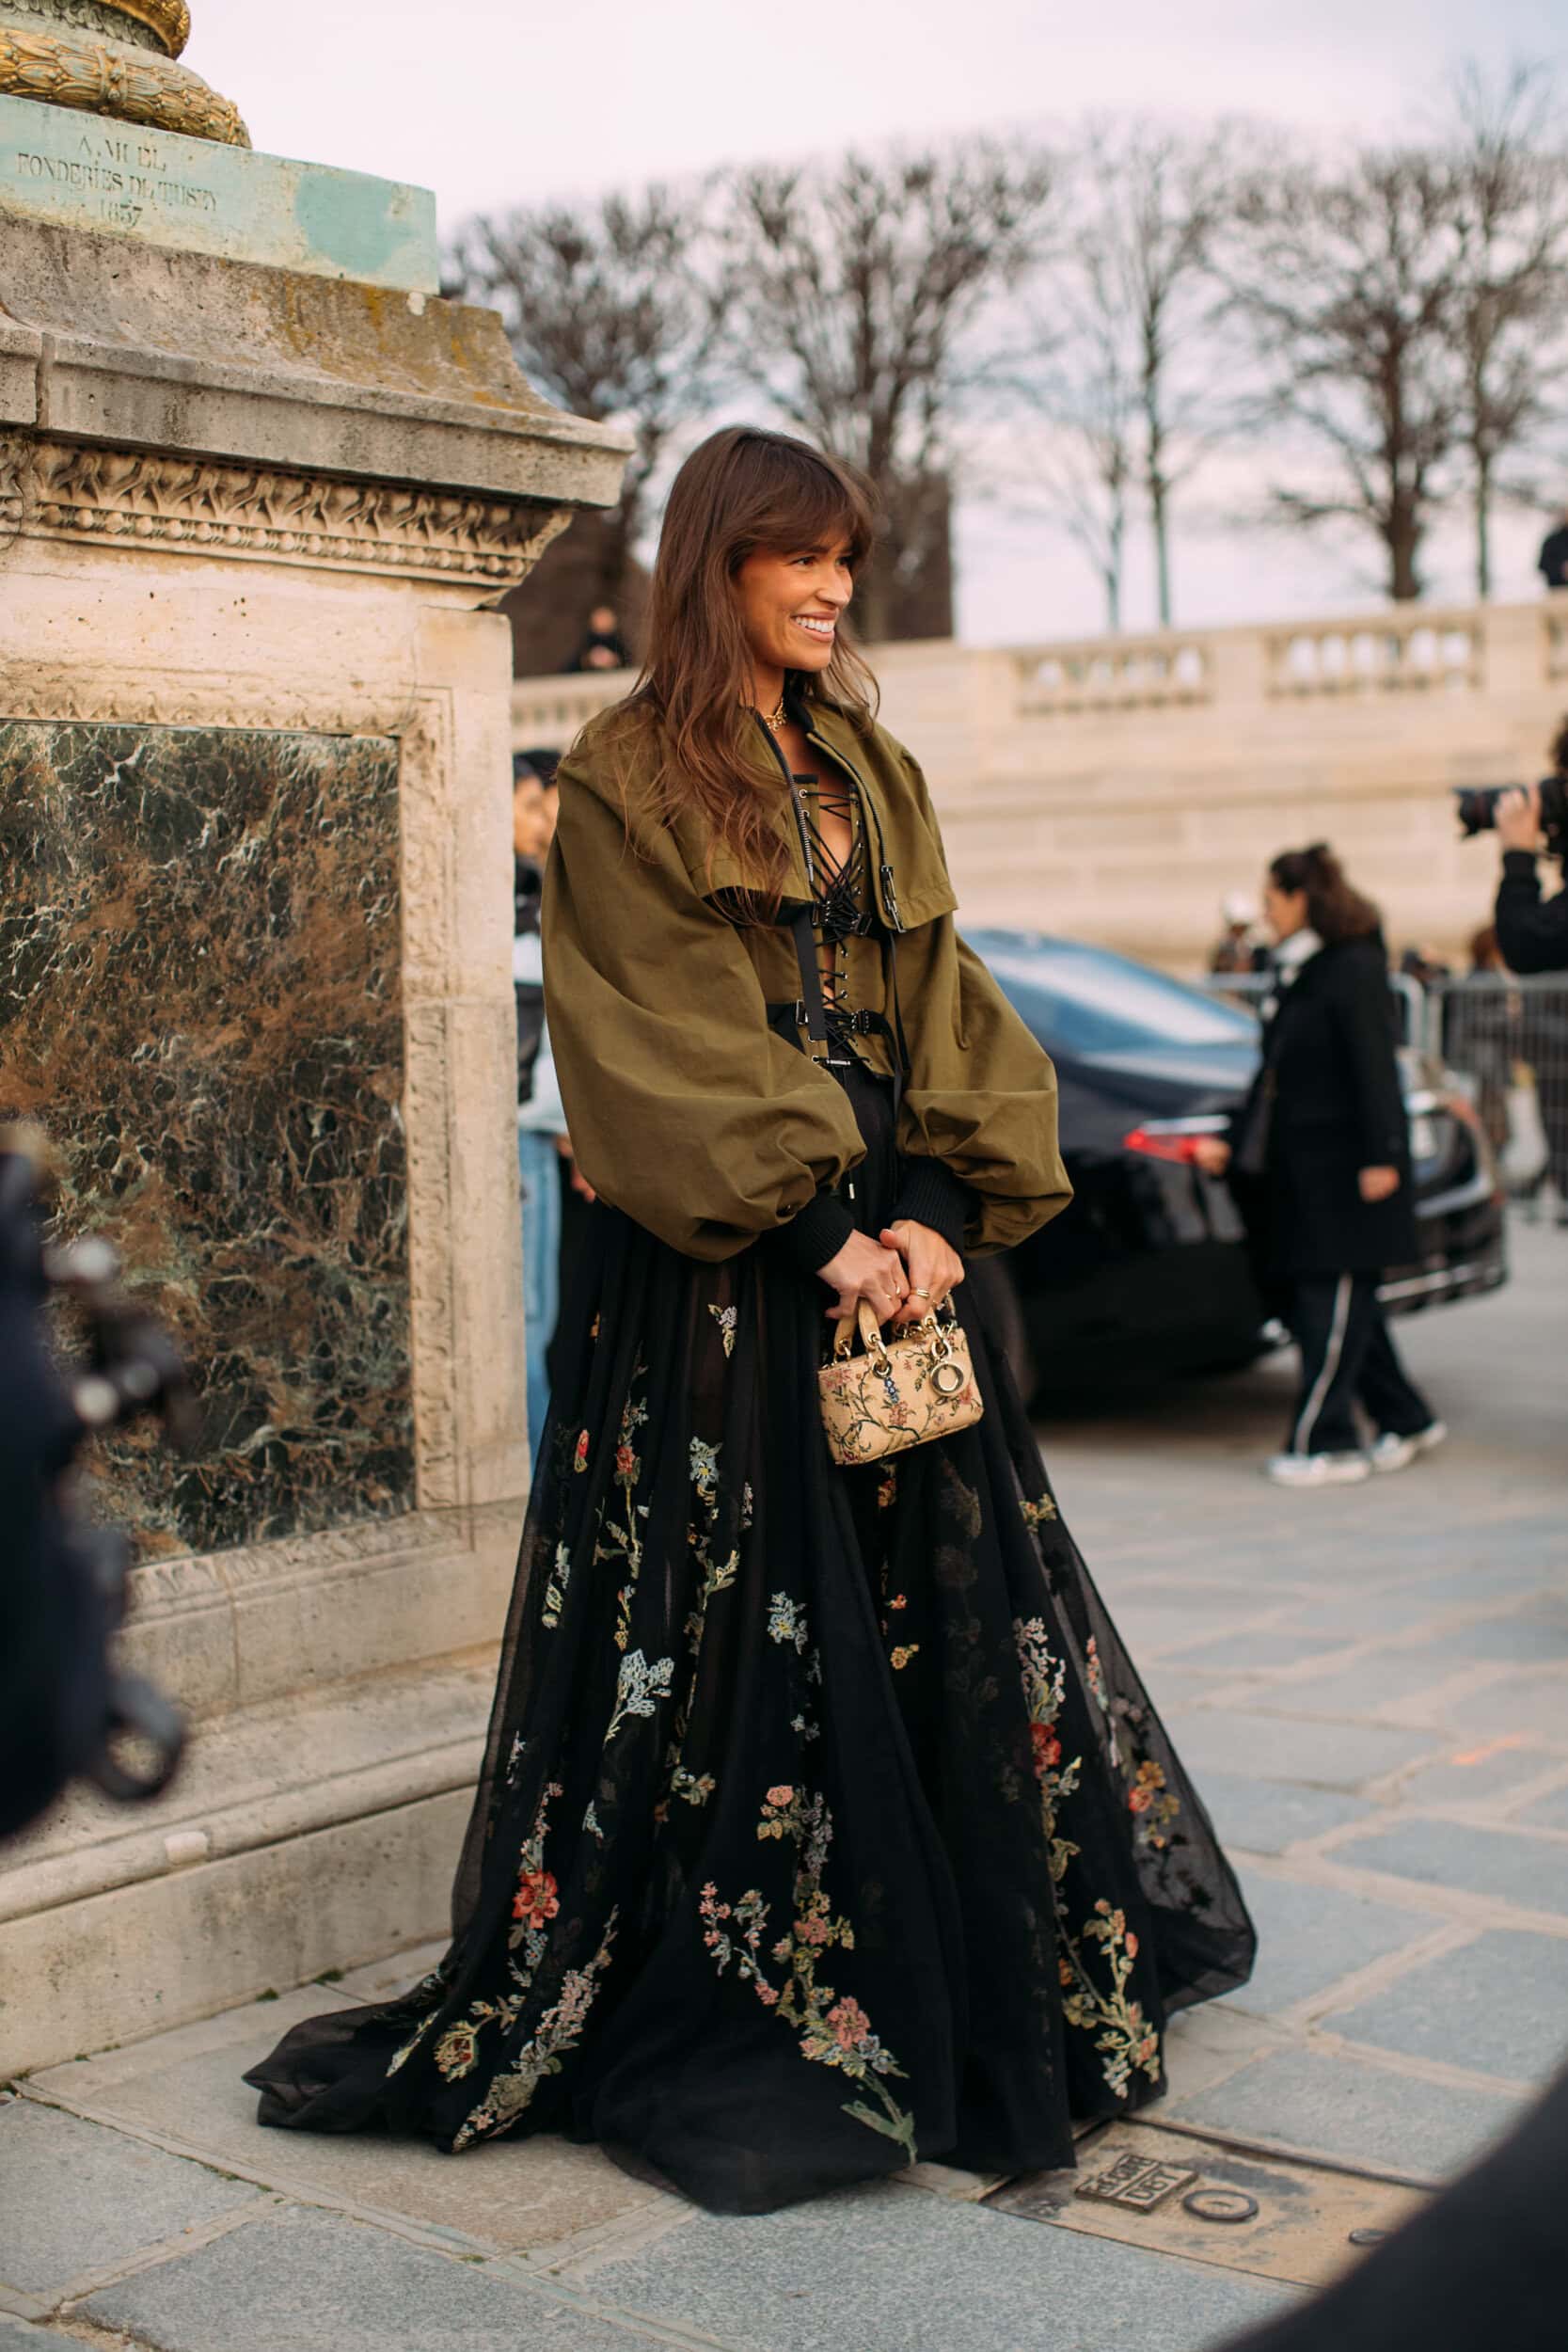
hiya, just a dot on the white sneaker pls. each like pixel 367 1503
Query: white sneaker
pixel 1391 1452
pixel 1317 1470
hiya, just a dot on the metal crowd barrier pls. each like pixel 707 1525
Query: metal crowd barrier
pixel 1507 1040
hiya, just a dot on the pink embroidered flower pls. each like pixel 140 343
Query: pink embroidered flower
pixel 814 1928
pixel 536 1899
pixel 781 1796
pixel 1047 1747
pixel 580 1459
pixel 766 1996
pixel 1131 1945
pixel 1147 2048
pixel 625 1462
pixel 850 2023
pixel 1139 1800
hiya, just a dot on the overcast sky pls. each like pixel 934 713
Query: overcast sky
pixel 491 102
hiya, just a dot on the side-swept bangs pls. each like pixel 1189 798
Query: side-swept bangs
pixel 801 501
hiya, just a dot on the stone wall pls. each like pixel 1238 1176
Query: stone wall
pixel 255 977
pixel 1115 789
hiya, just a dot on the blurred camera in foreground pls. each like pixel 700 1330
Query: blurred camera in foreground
pixel 1477 807
pixel 67 1711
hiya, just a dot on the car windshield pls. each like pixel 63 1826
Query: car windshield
pixel 1086 1000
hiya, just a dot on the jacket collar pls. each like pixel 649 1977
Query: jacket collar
pixel 911 880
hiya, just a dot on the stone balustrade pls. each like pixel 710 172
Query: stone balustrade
pixel 1117 787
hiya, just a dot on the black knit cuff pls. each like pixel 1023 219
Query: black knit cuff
pixel 819 1233
pixel 931 1195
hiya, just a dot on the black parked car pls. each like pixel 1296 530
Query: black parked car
pixel 1148 1272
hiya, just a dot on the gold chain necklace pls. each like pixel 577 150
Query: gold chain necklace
pixel 777 718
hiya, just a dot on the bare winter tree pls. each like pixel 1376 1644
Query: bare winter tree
pixel 857 297
pixel 1345 281
pixel 1126 377
pixel 1162 200
pixel 1079 379
pixel 1511 284
pixel 613 310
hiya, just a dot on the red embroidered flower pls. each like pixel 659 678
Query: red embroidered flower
pixel 580 1457
pixel 850 2023
pixel 625 1462
pixel 1139 1800
pixel 536 1900
pixel 781 1796
pixel 1047 1747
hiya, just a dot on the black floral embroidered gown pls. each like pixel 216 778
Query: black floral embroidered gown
pixel 824 1823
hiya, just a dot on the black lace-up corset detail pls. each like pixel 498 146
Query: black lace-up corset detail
pixel 839 893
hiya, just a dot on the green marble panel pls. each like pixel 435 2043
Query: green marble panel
pixel 200 1002
pixel 87 171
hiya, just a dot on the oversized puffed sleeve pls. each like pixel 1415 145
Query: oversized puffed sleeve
pixel 685 1109
pixel 981 1096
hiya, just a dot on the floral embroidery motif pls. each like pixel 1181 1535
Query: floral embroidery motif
pixel 639 1687
pixel 536 1903
pixel 1044 1687
pixel 902 1655
pixel 1153 1802
pixel 621 1539
pixel 558 2029
pixel 786 1621
pixel 1122 2033
pixel 726 1318
pixel 1036 1514
pixel 834 2029
pixel 1094 1675
pixel 694 1788
pixel 555 1591
pixel 580 1457
pixel 888 1490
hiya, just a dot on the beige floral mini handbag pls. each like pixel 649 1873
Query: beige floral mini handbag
pixel 900 1391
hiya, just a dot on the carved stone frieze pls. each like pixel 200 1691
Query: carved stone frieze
pixel 115 78
pixel 66 490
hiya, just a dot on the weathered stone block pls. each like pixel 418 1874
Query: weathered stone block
pixel 83 172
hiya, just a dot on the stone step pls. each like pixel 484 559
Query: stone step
pixel 315 1834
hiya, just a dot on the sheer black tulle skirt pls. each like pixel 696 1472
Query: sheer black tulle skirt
pixel 824 1823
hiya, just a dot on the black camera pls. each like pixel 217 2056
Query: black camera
pixel 1478 811
pixel 66 1708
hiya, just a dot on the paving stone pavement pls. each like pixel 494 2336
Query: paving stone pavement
pixel 1372 1686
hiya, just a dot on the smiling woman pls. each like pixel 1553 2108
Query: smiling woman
pixel 825 1823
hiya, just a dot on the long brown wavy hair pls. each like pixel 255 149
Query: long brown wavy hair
pixel 743 489
pixel 1334 909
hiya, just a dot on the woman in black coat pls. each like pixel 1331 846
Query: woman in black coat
pixel 1322 1148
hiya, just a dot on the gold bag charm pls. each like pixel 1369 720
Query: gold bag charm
pixel 897 1392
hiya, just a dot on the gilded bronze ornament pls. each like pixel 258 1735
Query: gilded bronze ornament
pixel 170 20
pixel 57 66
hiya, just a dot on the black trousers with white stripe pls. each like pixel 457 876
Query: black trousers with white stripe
pixel 1347 1357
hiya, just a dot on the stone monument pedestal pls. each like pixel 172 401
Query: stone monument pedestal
pixel 255 981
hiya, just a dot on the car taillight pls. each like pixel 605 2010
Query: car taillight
pixel 1154 1146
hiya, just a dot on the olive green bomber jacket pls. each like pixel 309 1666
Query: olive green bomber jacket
pixel 685 1109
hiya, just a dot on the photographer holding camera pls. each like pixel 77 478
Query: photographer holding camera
pixel 1533 932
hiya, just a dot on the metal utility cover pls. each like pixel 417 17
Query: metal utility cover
pixel 1301 2232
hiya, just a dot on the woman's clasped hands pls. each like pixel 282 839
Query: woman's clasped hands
pixel 905 1275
